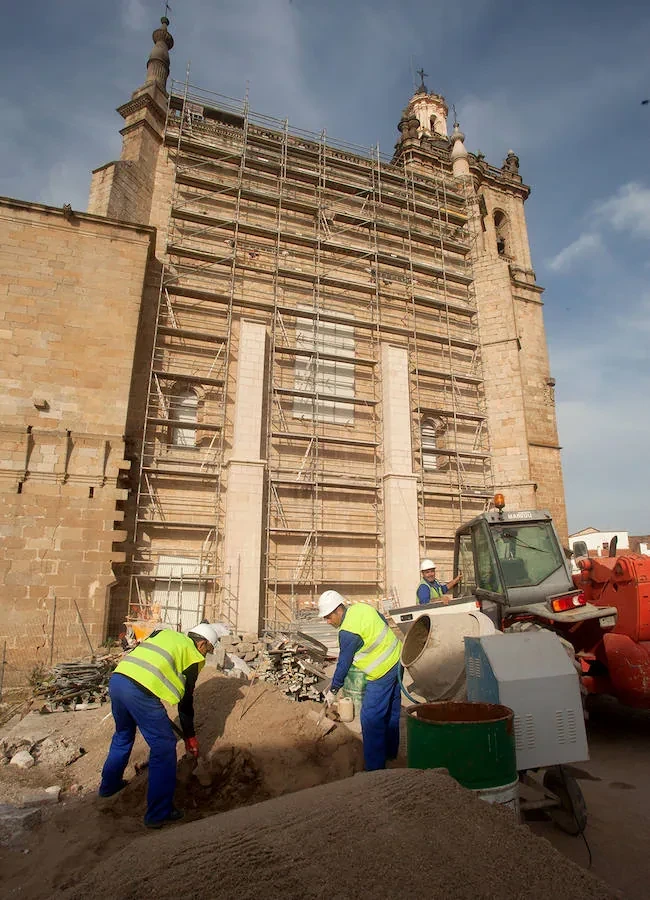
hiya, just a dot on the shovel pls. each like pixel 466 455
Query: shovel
pixel 198 766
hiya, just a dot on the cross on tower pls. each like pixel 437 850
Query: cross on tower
pixel 422 75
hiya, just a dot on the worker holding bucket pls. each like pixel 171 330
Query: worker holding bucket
pixel 367 645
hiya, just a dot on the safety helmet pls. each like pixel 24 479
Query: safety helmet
pixel 206 631
pixel 328 602
pixel 427 564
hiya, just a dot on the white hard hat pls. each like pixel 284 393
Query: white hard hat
pixel 208 632
pixel 328 602
pixel 427 564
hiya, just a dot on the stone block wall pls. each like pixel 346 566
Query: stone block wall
pixel 70 296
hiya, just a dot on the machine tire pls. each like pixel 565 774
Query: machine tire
pixel 571 815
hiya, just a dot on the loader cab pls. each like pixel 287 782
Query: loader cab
pixel 511 559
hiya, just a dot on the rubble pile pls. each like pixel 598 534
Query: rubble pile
pixel 295 664
pixel 23 748
pixel 74 685
pixel 247 647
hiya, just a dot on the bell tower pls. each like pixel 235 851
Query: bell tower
pixel 123 189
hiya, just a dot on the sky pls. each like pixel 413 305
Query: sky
pixel 560 82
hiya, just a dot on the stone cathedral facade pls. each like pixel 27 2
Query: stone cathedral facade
pixel 263 363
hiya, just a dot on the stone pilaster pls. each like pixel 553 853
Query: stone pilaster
pixel 400 483
pixel 245 497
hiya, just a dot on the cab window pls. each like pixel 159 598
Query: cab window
pixel 528 554
pixel 487 572
pixel 466 563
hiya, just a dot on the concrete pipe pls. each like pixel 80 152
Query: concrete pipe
pixel 433 652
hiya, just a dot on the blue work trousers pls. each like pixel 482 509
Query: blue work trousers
pixel 133 708
pixel 380 712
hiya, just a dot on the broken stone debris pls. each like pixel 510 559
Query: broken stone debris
pixel 23 759
pixel 295 664
pixel 37 797
pixel 35 737
pixel 14 822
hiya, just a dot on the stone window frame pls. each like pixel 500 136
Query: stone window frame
pixel 502 234
pixel 178 395
pixel 334 377
pixel 436 427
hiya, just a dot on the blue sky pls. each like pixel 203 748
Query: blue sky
pixel 560 82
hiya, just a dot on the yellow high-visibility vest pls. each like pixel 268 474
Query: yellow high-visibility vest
pixel 380 650
pixel 434 592
pixel 158 663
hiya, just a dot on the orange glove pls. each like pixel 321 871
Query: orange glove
pixel 192 747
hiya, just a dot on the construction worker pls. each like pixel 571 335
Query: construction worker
pixel 367 643
pixel 164 666
pixel 429 588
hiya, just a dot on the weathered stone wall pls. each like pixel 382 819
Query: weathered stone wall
pixel 519 389
pixel 70 297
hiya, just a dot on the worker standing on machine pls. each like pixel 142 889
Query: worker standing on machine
pixel 164 666
pixel 429 588
pixel 367 643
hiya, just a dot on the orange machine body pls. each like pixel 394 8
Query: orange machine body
pixel 624 652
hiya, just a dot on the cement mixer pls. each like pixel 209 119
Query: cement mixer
pixel 462 657
pixel 433 652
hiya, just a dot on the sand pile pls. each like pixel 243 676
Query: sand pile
pixel 258 745
pixel 378 835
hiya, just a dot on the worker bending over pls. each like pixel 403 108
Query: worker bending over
pixel 367 643
pixel 164 666
pixel 429 589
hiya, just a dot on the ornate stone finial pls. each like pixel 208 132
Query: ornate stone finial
pixel 158 62
pixel 459 154
pixel 422 88
pixel 457 134
pixel 413 126
pixel 511 163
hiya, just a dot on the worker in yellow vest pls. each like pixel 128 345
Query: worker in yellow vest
pixel 367 643
pixel 164 666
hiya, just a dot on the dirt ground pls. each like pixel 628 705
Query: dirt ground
pixel 258 745
pixel 380 835
pixel 616 787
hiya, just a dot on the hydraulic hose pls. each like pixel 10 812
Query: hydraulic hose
pixel 400 670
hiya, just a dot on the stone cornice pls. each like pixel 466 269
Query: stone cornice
pixel 77 216
pixel 483 173
pixel 142 101
pixel 141 123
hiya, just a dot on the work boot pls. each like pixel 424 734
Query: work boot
pixel 175 816
pixel 104 793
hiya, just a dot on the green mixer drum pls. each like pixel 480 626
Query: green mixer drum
pixel 474 741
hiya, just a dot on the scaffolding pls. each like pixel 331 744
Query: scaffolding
pixel 337 249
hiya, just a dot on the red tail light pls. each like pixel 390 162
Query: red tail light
pixel 569 601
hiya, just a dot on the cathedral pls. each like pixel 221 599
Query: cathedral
pixel 262 364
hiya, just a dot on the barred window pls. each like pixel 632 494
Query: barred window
pixel 326 377
pixel 183 409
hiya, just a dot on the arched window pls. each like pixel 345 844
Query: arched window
pixel 501 230
pixel 430 431
pixel 183 408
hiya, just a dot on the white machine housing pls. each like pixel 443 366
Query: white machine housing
pixel 531 673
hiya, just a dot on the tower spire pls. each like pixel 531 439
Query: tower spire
pixel 158 62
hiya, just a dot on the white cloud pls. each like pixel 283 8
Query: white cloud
pixel 627 210
pixel 586 246
pixel 135 16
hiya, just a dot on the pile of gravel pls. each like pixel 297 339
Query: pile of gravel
pixel 379 835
